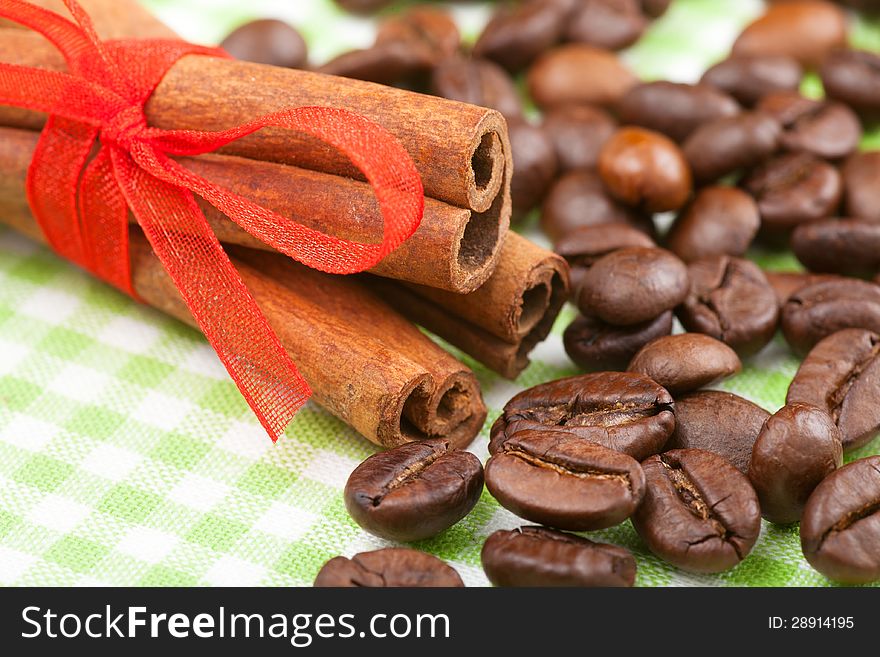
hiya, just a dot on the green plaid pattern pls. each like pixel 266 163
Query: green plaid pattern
pixel 127 457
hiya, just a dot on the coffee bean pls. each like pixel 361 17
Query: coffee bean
pixel 578 199
pixel 840 527
pixel 819 310
pixel 633 285
pixel 786 283
pixel 750 78
pixel 842 246
pixel 267 42
pixel 536 556
pixel 561 480
pixel 674 109
pixel 805 29
pixel 655 8
pixel 718 422
pixel 853 77
pixel 718 221
pixel 578 133
pixel 730 300
pixel 414 491
pixel 516 35
pixel 841 374
pixel 699 513
pixel 729 144
pixel 596 346
pixel 797 448
pixel 534 166
pixel 794 188
pixel 388 567
pixel 824 128
pixel 622 411
pixel 478 82
pixel 645 169
pixel 426 28
pixel 861 180
pixel 684 362
pixel 578 74
pixel 393 62
pixel 611 24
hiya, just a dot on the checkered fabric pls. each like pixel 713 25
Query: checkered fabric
pixel 128 458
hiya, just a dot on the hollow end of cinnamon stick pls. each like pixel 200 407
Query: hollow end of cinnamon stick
pixel 447 411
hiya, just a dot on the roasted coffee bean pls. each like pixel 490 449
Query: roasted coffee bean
pixel 393 62
pixel 797 448
pixel 578 199
pixel 655 8
pixel 536 556
pixel 750 78
pixel 824 128
pixel 699 513
pixel 841 374
pixel 611 24
pixel 561 480
pixel 674 109
pixel 853 77
pixel 622 411
pixel 388 567
pixel 861 181
pixel 730 300
pixel 534 166
pixel 684 362
pixel 634 285
pixel 478 82
pixel 840 527
pixel 718 221
pixel 267 42
pixel 842 246
pixel 718 422
pixel 729 144
pixel 595 346
pixel 583 246
pixel 578 133
pixel 794 188
pixel 786 283
pixel 804 29
pixel 578 74
pixel 645 169
pixel 423 27
pixel 819 310
pixel 414 491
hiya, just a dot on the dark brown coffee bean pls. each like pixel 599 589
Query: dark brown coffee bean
pixel 824 128
pixel 674 109
pixel 655 8
pixel 840 527
pixel 819 310
pixel 414 491
pixel 578 133
pixel 684 362
pixel 842 246
pixel 699 513
pixel 730 300
pixel 841 374
pixel 536 556
pixel 611 24
pixel 563 481
pixel 388 567
pixel 719 221
pixel 718 422
pixel 645 169
pixel 576 74
pixel 634 285
pixel 623 411
pixel 853 77
pixel 595 346
pixel 861 181
pixel 478 82
pixel 797 448
pixel 534 166
pixel 267 42
pixel 794 188
pixel 806 30
pixel 729 144
pixel 579 199
pixel 748 79
pixel 427 28
pixel 786 283
pixel 389 63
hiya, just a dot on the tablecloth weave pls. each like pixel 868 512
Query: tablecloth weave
pixel 127 457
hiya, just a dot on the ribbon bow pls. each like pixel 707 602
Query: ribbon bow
pixel 81 202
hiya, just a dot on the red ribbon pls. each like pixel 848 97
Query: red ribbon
pixel 81 204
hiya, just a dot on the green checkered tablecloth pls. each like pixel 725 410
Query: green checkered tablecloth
pixel 128 458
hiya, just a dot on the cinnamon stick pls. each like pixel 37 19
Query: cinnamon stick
pixel 113 19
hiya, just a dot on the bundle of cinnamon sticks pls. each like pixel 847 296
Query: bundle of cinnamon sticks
pixel 461 275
